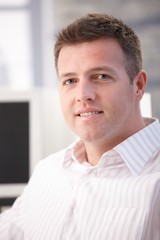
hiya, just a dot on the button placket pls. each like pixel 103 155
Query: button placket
pixel 94 172
pixel 75 210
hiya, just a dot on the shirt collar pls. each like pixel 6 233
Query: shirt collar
pixel 68 155
pixel 135 150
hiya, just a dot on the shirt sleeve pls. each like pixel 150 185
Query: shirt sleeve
pixel 11 222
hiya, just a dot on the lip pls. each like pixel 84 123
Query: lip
pixel 88 112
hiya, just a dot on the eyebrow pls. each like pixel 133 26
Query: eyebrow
pixel 103 68
pixel 95 69
pixel 69 74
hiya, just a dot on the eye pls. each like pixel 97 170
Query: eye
pixel 69 82
pixel 103 76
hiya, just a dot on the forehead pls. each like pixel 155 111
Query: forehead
pixel 101 51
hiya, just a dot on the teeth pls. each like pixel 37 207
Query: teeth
pixel 87 114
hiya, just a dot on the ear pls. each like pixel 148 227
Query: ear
pixel 140 82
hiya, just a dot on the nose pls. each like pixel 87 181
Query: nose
pixel 85 92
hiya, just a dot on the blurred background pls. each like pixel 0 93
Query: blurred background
pixel 28 29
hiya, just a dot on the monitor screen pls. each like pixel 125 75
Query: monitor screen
pixel 20 139
pixel 14 142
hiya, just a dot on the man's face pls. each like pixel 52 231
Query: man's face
pixel 97 99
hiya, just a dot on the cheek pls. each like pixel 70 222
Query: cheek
pixel 62 103
pixel 116 103
pixel 66 108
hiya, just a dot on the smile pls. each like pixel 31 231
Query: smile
pixel 88 114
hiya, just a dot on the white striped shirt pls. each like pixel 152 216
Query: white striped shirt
pixel 68 199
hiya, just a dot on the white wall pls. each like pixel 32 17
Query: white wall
pixel 146 107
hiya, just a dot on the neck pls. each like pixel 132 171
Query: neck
pixel 95 151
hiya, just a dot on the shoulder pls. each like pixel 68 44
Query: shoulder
pixel 46 170
pixel 53 160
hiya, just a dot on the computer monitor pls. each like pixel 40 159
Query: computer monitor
pixel 20 139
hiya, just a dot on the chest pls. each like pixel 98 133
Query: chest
pixel 83 207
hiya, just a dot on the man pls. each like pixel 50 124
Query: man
pixel 106 185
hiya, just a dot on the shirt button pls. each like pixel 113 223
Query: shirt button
pixel 75 211
pixel 94 172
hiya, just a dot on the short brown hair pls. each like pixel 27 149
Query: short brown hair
pixel 95 26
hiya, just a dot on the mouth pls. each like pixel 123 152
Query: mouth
pixel 89 114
